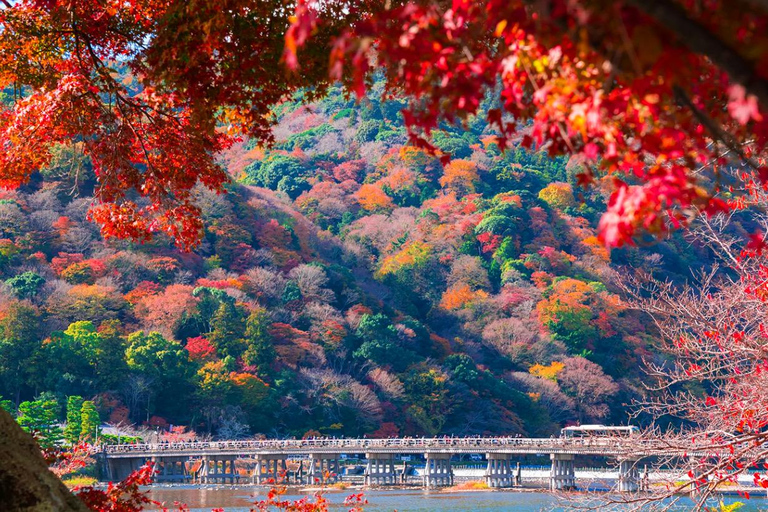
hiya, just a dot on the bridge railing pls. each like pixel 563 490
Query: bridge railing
pixel 362 445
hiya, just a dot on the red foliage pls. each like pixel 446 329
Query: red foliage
pixel 625 86
pixel 200 349
pixel 63 260
pixel 272 234
pixel 143 289
pixel 386 430
pixel 125 496
pixel 349 170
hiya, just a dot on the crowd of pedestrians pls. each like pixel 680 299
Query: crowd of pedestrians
pixel 365 444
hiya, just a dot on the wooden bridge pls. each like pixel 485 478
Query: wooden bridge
pixel 263 461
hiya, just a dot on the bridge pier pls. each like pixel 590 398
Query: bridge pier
pixel 438 470
pixel 499 470
pixel 270 468
pixel 380 469
pixel 629 476
pixel 170 469
pixel 562 476
pixel 323 468
pixel 217 469
pixel 119 469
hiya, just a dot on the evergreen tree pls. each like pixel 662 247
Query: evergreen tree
pixel 227 330
pixel 260 351
pixel 90 421
pixel 41 417
pixel 74 419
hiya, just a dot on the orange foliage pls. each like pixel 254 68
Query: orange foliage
pixel 541 279
pixel 373 198
pixel 143 289
pixel 597 248
pixel 460 175
pixel 399 179
pixel 441 344
pixel 459 296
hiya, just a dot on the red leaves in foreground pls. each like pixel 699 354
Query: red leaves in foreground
pixel 628 92
pixel 125 496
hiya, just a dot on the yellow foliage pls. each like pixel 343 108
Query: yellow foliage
pixel 411 255
pixel 546 372
pixel 558 195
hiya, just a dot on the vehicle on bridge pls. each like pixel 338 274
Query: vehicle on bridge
pixel 599 431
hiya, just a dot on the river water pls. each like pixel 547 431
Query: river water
pixel 238 498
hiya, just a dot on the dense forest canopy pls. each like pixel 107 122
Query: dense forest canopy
pixel 346 283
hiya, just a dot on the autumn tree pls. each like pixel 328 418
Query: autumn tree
pixel 713 333
pixel 558 195
pixel 460 176
pixel 589 387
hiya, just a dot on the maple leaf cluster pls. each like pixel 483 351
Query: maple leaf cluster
pixel 647 93
pixel 150 91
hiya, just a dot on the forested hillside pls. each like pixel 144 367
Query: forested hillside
pixel 347 284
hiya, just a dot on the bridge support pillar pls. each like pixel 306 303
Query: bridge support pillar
pixel 437 471
pixel 629 476
pixel 323 468
pixel 562 476
pixel 270 468
pixel 380 469
pixel 499 470
pixel 170 469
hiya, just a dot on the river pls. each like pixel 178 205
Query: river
pixel 237 499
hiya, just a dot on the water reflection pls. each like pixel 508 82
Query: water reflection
pixel 238 499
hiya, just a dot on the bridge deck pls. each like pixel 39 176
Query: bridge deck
pixel 589 446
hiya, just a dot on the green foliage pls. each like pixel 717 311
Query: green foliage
pixel 268 172
pixel 74 419
pixel 156 357
pixel 41 417
pixel 19 341
pixel 291 292
pixel 25 285
pixel 260 351
pixel 90 421
pixel 463 367
pixel 227 330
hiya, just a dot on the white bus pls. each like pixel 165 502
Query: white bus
pixel 599 431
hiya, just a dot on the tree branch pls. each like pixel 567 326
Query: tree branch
pixel 700 40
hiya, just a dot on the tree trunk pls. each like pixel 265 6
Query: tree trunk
pixel 26 484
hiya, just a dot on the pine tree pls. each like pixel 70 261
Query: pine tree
pixel 41 416
pixel 260 351
pixel 74 419
pixel 90 421
pixel 227 330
